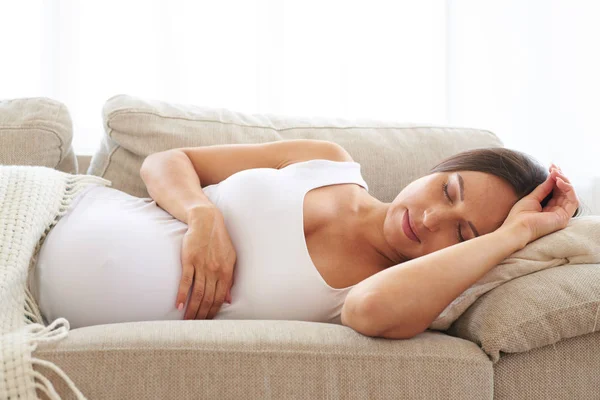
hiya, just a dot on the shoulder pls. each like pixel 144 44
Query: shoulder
pixel 337 153
pixel 319 150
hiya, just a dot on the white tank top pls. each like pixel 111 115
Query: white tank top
pixel 114 257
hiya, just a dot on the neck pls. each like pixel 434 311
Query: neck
pixel 371 215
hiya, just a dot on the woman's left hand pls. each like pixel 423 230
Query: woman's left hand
pixel 530 221
pixel 562 195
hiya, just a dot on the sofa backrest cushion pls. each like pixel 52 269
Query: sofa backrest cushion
pixel 36 131
pixel 391 154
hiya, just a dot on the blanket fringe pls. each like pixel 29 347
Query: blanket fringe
pixel 32 311
pixel 38 333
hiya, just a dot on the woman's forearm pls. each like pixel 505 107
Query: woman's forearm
pixel 173 183
pixel 404 299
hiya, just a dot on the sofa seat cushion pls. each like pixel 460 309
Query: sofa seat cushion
pixel 391 154
pixel 255 359
pixel 37 131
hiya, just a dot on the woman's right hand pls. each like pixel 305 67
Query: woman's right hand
pixel 207 258
pixel 529 218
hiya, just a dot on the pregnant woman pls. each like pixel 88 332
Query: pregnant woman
pixel 288 230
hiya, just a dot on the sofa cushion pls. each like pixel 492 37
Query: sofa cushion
pixel 37 131
pixel 260 359
pixel 534 310
pixel 391 154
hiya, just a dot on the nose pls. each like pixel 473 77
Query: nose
pixel 435 217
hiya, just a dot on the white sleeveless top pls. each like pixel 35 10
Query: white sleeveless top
pixel 115 258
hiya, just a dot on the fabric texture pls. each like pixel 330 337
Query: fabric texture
pixel 32 200
pixel 37 131
pixel 535 311
pixel 267 359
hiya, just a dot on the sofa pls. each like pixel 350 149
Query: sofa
pixel 535 337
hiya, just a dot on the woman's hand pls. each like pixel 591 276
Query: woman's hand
pixel 528 215
pixel 207 258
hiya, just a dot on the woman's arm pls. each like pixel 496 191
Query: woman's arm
pixel 403 300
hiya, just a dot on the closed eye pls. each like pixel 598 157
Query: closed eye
pixel 445 188
pixel 458 232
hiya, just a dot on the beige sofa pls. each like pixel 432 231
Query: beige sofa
pixel 535 337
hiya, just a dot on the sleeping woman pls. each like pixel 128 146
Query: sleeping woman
pixel 288 230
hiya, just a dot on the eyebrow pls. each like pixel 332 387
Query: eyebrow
pixel 461 186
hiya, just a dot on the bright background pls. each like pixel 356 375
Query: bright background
pixel 529 71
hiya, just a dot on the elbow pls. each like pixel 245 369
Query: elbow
pixel 403 331
pixel 146 165
pixel 355 316
pixel 359 314
pixel 367 317
pixel 150 160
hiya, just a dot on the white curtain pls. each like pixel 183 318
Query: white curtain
pixel 530 72
pixel 527 70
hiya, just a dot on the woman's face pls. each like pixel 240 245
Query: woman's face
pixel 482 207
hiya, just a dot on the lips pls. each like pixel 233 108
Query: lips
pixel 407 228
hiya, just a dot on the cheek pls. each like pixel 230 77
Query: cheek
pixel 439 241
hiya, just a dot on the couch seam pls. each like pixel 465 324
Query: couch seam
pixel 61 353
pixel 110 154
pixel 61 142
pixel 119 112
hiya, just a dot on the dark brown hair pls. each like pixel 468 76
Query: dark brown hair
pixel 523 172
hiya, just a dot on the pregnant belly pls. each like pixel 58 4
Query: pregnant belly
pixel 111 258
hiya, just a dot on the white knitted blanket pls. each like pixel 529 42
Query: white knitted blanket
pixel 32 200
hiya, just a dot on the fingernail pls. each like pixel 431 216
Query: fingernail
pixel 180 306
